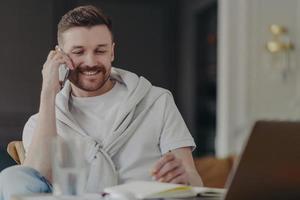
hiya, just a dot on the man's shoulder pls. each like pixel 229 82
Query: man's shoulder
pixel 158 95
pixel 128 77
pixel 160 90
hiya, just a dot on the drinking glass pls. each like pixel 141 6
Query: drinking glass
pixel 69 166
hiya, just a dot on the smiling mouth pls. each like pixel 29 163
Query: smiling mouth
pixel 90 73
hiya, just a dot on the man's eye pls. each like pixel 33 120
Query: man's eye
pixel 77 52
pixel 100 51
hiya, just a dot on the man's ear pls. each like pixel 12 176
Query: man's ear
pixel 112 52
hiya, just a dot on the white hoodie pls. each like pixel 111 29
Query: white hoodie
pixel 148 125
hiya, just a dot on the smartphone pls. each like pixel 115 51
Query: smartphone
pixel 63 72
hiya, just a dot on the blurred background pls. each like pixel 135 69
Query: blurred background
pixel 172 43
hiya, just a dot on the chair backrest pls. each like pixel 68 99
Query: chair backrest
pixel 16 150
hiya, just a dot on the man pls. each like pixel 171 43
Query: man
pixel 134 129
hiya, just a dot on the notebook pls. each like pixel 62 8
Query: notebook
pixel 269 167
pixel 155 190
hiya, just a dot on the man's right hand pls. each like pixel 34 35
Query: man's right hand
pixel 50 70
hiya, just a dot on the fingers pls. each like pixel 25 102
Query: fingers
pixel 170 169
pixel 59 57
pixel 56 60
pixel 68 60
pixel 51 54
pixel 162 161
pixel 50 71
pixel 171 175
pixel 62 59
pixel 182 179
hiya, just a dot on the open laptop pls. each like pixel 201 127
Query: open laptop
pixel 269 167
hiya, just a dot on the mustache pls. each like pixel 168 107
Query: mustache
pixel 89 68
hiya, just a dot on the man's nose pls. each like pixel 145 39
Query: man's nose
pixel 90 60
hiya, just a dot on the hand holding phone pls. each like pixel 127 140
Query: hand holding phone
pixel 64 72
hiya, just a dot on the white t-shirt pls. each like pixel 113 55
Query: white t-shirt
pixel 96 115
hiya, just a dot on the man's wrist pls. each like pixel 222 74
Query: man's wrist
pixel 48 94
pixel 47 100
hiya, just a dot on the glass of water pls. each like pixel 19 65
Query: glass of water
pixel 69 166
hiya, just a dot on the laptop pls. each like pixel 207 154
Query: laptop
pixel 269 167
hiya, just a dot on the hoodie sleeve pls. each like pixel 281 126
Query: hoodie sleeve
pixel 175 133
pixel 28 132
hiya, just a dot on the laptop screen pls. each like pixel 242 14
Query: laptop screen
pixel 269 167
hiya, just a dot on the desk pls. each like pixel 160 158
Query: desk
pixel 97 197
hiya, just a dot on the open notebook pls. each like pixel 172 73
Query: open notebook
pixel 138 190
pixel 152 190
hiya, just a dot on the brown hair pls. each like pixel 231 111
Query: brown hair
pixel 83 16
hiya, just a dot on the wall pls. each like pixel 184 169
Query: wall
pixel 25 39
pixel 251 83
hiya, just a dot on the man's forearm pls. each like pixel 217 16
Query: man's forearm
pixel 39 152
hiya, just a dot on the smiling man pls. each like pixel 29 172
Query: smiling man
pixel 134 130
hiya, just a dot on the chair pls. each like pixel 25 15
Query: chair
pixel 16 151
pixel 213 171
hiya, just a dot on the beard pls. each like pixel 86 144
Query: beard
pixel 89 79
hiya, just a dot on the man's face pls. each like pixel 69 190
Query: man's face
pixel 91 51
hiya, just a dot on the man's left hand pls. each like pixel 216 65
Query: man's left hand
pixel 170 169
